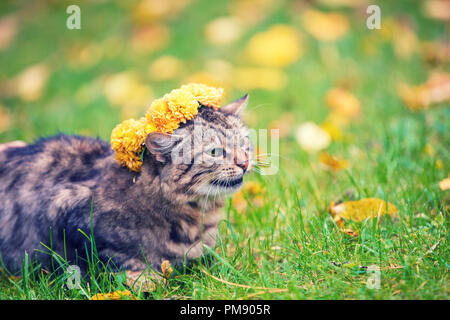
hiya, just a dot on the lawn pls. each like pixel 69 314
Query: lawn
pixel 360 88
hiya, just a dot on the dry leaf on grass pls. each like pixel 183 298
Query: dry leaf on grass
pixel 279 46
pixel 8 31
pixel 259 78
pixel 359 211
pixel 435 90
pixel 332 162
pixel 343 102
pixel 150 38
pixel 30 83
pixel 445 184
pixel 437 9
pixel 153 10
pixel 116 295
pixel 223 31
pixel 127 91
pixel 165 68
pixel 325 26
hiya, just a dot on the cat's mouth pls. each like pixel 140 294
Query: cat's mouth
pixel 228 184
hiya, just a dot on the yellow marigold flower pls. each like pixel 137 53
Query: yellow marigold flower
pixel 164 115
pixel 127 141
pixel 207 96
pixel 182 104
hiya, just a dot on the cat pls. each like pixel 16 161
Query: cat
pixel 55 190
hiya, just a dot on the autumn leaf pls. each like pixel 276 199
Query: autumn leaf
pixel 251 12
pixel 30 83
pixel 331 162
pixel 165 68
pixel 325 26
pixel 8 31
pixel 248 78
pixel 116 295
pixel 154 10
pixel 436 52
pixel 445 184
pixel 127 91
pixel 279 46
pixel 223 31
pixel 84 55
pixel 332 129
pixel 358 211
pixel 405 41
pixel 343 102
pixel 437 9
pixel 435 90
pixel 150 38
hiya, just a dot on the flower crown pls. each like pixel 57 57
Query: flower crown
pixel 164 115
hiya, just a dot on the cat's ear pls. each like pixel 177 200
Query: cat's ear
pixel 159 144
pixel 235 107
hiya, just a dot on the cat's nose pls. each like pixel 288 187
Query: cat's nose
pixel 243 165
pixel 241 160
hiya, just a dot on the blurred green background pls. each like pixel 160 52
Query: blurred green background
pixel 130 52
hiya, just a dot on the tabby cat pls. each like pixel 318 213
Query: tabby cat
pixel 53 191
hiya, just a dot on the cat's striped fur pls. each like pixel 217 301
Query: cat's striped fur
pixel 161 213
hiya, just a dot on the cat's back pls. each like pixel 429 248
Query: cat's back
pixel 51 161
pixel 40 186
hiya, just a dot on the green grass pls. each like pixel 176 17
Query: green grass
pixel 290 242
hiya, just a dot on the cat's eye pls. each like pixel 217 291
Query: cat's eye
pixel 217 152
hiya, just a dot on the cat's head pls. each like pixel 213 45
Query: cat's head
pixel 206 156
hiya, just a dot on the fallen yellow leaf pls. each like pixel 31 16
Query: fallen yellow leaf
pixel 279 46
pixel 259 78
pixel 362 209
pixel 223 31
pixel 116 295
pixel 332 162
pixel 165 68
pixel 435 90
pixel 125 90
pixel 150 38
pixel 445 184
pixel 325 26
pixel 359 211
pixel 8 31
pixel 343 102
pixel 29 84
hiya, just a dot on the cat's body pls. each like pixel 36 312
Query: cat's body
pixel 51 190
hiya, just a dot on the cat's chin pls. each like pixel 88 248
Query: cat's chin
pixel 221 187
